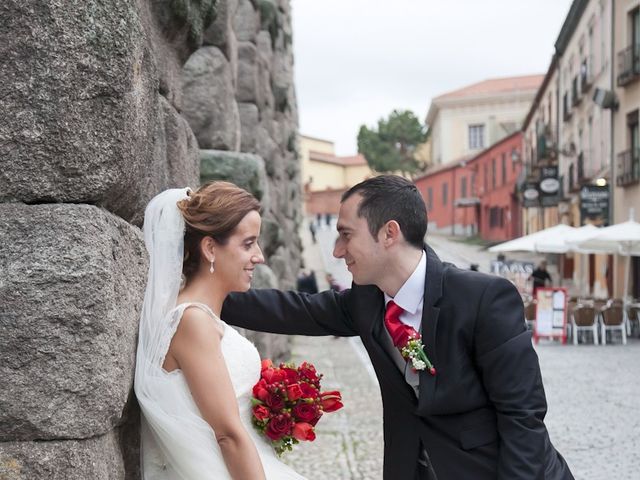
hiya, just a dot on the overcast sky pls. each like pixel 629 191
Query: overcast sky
pixel 357 60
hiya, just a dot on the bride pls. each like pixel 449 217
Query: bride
pixel 195 374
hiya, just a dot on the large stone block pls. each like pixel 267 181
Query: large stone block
pixel 72 279
pixel 249 118
pixel 209 104
pixel 246 22
pixel 217 34
pixel 96 458
pixel 79 90
pixel 244 169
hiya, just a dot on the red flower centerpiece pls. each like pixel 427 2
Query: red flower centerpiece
pixel 288 402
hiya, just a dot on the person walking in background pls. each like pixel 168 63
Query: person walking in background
pixel 540 277
pixel 333 284
pixel 307 282
pixel 312 230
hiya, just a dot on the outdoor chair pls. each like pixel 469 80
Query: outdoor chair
pixel 633 316
pixel 612 320
pixel 584 318
pixel 530 314
pixel 571 305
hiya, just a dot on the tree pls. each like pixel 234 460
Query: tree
pixel 391 147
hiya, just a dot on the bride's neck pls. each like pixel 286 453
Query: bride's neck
pixel 203 290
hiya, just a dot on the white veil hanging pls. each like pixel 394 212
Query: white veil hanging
pixel 176 441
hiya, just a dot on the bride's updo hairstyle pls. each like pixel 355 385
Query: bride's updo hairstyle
pixel 214 210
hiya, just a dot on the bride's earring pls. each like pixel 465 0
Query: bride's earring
pixel 211 269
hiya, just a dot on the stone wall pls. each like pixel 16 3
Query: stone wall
pixel 98 117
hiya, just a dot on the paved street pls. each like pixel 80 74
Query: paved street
pixel 593 393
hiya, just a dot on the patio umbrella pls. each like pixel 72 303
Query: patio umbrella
pixel 528 243
pixel 621 238
pixel 565 243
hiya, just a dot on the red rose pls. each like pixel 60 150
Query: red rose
pixel 308 391
pixel 275 401
pixel 331 401
pixel 304 431
pixel 290 375
pixel 278 427
pixel 402 336
pixel 294 392
pixel 261 412
pixel 266 363
pixel 260 390
pixel 308 371
pixel 273 375
pixel 306 412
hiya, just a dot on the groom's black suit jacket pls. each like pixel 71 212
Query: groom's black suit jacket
pixel 481 416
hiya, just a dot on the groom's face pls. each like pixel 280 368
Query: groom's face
pixel 355 244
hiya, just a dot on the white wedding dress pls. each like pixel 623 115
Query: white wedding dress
pixel 187 449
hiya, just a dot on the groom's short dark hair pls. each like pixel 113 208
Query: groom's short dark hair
pixel 391 197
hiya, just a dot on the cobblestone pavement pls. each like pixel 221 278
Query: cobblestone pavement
pixel 593 394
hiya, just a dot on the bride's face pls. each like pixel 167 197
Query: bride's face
pixel 236 260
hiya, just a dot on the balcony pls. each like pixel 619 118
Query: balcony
pixel 576 96
pixel 545 144
pixel 628 168
pixel 586 73
pixel 628 65
pixel 566 108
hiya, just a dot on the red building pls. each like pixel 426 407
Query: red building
pixel 476 195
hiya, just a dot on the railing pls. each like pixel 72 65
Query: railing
pixel 628 168
pixel 586 73
pixel 628 64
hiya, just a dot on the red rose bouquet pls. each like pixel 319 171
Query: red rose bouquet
pixel 287 403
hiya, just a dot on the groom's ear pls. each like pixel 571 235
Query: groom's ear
pixel 390 233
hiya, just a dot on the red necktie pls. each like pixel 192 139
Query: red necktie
pixel 395 327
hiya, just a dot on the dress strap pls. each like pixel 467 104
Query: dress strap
pixel 205 308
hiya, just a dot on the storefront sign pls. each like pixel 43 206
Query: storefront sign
pixel 594 205
pixel 530 195
pixel 549 187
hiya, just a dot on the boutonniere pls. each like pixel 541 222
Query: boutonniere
pixel 412 350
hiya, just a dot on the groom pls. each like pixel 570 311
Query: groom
pixel 481 415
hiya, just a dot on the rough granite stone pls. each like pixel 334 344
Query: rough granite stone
pixel 244 169
pixel 72 280
pixel 246 22
pixel 96 458
pixel 209 104
pixel 80 85
pixel 249 118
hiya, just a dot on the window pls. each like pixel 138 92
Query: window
pixel 496 217
pixel 514 154
pixel 476 136
pixel 445 188
pixel 504 168
pixel 429 198
pixel 493 173
pixel 463 187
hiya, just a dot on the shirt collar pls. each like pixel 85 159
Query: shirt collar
pixel 411 293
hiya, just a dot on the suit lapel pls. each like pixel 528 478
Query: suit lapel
pixel 430 313
pixel 387 365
